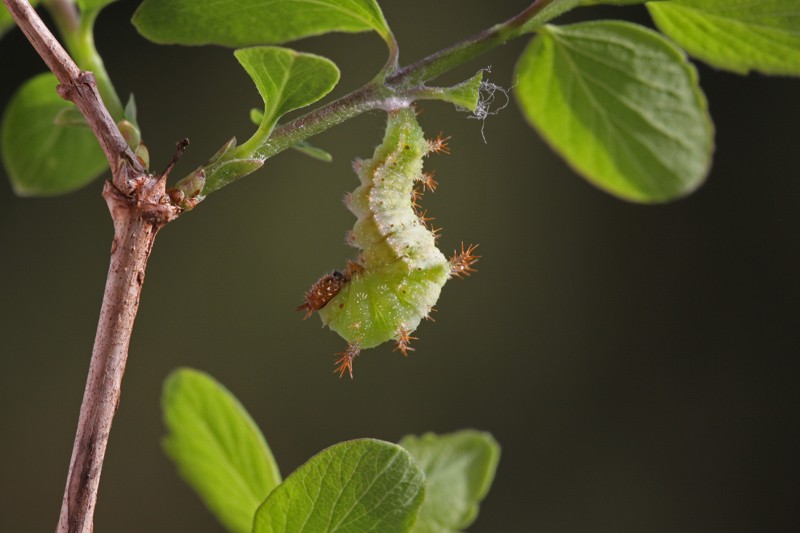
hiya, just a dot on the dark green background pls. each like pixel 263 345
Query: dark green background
pixel 637 364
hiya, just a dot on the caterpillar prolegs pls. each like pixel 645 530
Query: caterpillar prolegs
pixel 398 275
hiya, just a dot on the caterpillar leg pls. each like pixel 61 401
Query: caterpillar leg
pixel 345 362
pixel 461 262
pixel 404 341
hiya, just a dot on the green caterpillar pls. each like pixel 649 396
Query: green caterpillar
pixel 400 272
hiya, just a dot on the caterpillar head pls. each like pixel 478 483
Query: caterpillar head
pixel 322 292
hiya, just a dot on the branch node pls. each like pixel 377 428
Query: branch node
pixel 84 83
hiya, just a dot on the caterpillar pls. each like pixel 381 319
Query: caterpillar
pixel 399 273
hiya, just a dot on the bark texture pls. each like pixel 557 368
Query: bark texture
pixel 137 220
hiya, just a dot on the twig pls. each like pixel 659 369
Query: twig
pixel 80 87
pixel 398 89
pixel 139 208
pixel 136 223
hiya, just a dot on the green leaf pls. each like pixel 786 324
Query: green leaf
pixel 737 35
pixel 313 152
pixel 217 447
pixel 41 157
pixel 465 95
pixel 622 105
pixel 286 79
pixel 228 171
pixel 352 487
pixel 256 116
pixel 70 116
pixel 254 22
pixel 130 111
pixel 459 469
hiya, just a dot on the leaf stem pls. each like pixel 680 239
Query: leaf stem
pixel 444 60
pixel 404 87
pixel 391 90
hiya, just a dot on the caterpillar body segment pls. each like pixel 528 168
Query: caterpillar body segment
pixel 400 272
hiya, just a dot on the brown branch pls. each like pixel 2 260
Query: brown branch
pixel 139 207
pixel 81 89
pixel 136 222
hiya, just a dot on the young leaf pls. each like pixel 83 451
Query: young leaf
pixel 312 151
pixel 228 171
pixel 737 35
pixel 465 95
pixel 459 469
pixel 622 105
pixel 217 447
pixel 287 80
pixel 352 487
pixel 254 22
pixel 130 111
pixel 41 157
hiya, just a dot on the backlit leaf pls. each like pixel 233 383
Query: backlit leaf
pixel 352 487
pixel 737 35
pixel 42 155
pixel 622 105
pixel 217 448
pixel 459 469
pixel 286 79
pixel 254 22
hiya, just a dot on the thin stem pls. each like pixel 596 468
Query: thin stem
pixel 134 234
pixel 404 86
pixel 89 59
pixel 364 99
pixel 139 207
pixel 398 89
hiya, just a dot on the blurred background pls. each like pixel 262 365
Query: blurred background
pixel 637 364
